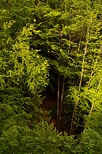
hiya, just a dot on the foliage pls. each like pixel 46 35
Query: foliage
pixel 24 74
pixel 95 120
pixel 91 142
pixel 42 139
pixel 62 39
pixel 45 139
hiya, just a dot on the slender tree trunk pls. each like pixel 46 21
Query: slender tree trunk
pixel 76 103
pixel 89 80
pixel 62 95
pixel 96 89
pixel 58 103
pixel 92 105
pixel 89 85
pixel 61 104
pixel 58 91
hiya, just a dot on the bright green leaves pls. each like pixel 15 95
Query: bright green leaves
pixel 53 13
pixel 64 36
pixel 29 61
pixel 8 24
pixel 24 75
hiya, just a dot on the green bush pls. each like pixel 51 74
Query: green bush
pixel 91 142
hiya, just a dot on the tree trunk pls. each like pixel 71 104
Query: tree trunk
pixel 76 103
pixel 58 91
pixel 92 105
pixel 58 103
pixel 61 100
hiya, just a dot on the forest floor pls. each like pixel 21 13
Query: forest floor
pixel 48 104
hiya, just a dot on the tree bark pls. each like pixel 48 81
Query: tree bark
pixel 62 95
pixel 76 103
pixel 61 104
pixel 58 103
pixel 92 105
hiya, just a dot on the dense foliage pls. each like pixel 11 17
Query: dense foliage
pixel 55 45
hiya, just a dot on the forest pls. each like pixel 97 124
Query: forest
pixel 50 77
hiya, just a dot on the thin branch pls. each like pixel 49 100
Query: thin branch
pixel 93 103
pixel 83 63
pixel 76 103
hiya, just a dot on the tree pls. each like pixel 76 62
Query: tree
pixel 91 142
pixel 63 39
pixel 24 74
